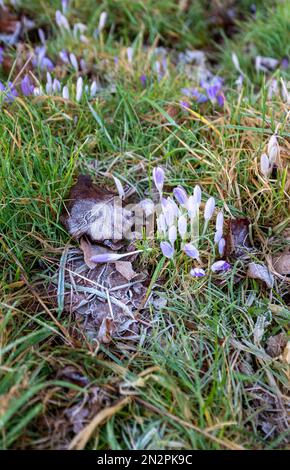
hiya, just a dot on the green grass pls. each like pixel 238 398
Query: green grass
pixel 197 379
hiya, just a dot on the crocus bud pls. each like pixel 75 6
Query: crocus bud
pixel 93 89
pixel 180 195
pixel 172 234
pixel 27 87
pixel 221 246
pixel 220 266
pixel 191 251
pixel 102 20
pixel 79 89
pixel 265 165
pixel 167 249
pixel 182 226
pixel 158 178
pixel 119 187
pixel 209 208
pixel 73 61
pixel 197 272
pixel 130 54
pixel 169 212
pixel 192 206
pixel 197 194
pixel 161 224
pixel 56 85
pixel 219 222
pixel 61 21
pixel 217 236
pixel 273 149
pixel 65 93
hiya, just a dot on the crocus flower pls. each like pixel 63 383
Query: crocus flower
pixel 265 165
pixel 143 80
pixel 161 224
pixel 1 54
pixel 41 35
pixel 130 54
pixel 27 87
pixel 9 91
pixel 217 236
pixel 64 6
pixel 191 251
pixel 65 93
pixel 219 222
pixel 273 149
pixel 56 86
pixel 111 257
pixel 93 89
pixel 172 234
pixel 64 56
pixel 61 20
pixel 221 246
pixel 220 266
pixel 209 208
pixel 195 94
pixel 180 195
pixel 158 178
pixel 102 21
pixel 168 211
pixel 167 249
pixel 192 206
pixel 48 86
pixel 79 91
pixel 197 194
pixel 182 226
pixel 197 272
pixel 74 62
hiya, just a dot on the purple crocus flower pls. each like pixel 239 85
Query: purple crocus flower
pixel 194 93
pixel 27 87
pixel 64 56
pixel 9 91
pixel 180 195
pixel 1 54
pixel 197 272
pixel 221 246
pixel 220 266
pixel 158 178
pixel 143 80
pixel 167 249
pixel 209 208
pixel 191 251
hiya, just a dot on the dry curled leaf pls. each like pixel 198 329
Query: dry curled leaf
pixel 261 272
pixel 96 212
pixel 286 353
pixel 125 269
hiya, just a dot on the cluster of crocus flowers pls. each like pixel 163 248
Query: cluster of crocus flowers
pixel 209 90
pixel 178 223
pixel 269 159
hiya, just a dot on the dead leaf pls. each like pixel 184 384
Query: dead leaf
pixel 106 331
pixel 90 250
pixel 261 272
pixel 276 344
pixel 96 212
pixel 72 374
pixel 237 239
pixel 125 268
pixel 281 263
pixel 286 353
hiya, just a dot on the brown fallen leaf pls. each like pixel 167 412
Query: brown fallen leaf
pixel 96 212
pixel 106 330
pixel 237 239
pixel 125 268
pixel 90 250
pixel 281 263
pixel 261 272
pixel 276 344
pixel 286 353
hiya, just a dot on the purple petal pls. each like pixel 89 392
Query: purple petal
pixel 167 249
pixel 158 178
pixel 27 87
pixel 220 266
pixel 1 54
pixel 143 80
pixel 191 251
pixel 220 99
pixel 197 272
pixel 180 195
